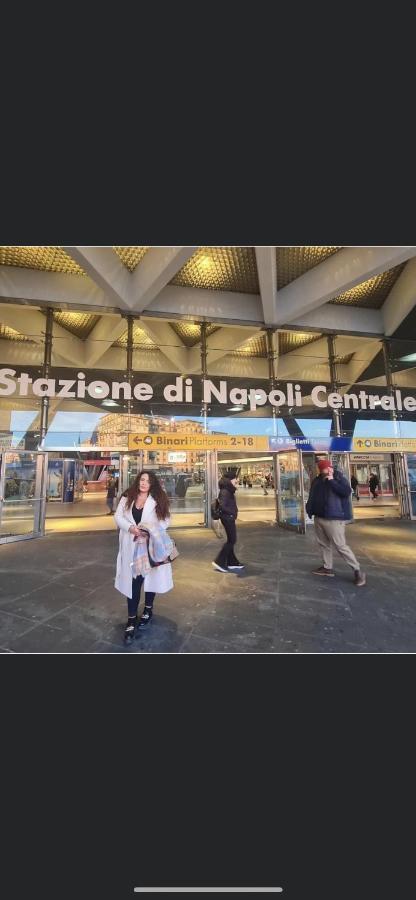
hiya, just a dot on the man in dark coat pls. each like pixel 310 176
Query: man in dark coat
pixel 330 503
pixel 226 559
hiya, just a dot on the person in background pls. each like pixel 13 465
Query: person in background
pixel 373 484
pixel 354 485
pixel 111 493
pixel 145 502
pixel 244 481
pixel 226 559
pixel 329 502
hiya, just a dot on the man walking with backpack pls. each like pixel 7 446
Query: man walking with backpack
pixel 330 503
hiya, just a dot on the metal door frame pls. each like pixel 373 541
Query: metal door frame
pixel 412 516
pixel 403 486
pixel 211 484
pixel 39 497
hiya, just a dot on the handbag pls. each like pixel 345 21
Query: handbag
pixel 215 509
pixel 174 553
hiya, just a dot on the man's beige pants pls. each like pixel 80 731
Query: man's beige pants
pixel 331 533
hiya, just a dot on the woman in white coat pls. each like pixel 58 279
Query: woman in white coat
pixel 145 502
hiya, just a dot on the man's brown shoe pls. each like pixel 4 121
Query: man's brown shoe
pixel 323 571
pixel 359 578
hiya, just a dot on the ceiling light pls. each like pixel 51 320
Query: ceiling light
pixel 410 358
pixel 235 408
pixel 109 403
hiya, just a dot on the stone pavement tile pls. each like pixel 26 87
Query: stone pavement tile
pixel 322 625
pixel 90 576
pixel 325 604
pixel 14 582
pixel 45 639
pixel 295 642
pixel 242 635
pixel 106 647
pixel 43 602
pixel 254 611
pixel 159 640
pixel 196 644
pixel 383 637
pixel 75 621
pixel 11 627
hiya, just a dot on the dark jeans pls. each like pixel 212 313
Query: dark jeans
pixel 133 601
pixel 226 556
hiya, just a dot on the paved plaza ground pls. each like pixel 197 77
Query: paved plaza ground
pixel 57 595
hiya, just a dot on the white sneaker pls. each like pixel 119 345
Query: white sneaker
pixel 218 568
pixel 240 566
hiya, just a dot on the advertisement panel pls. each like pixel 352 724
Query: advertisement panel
pixel 69 477
pixel 55 479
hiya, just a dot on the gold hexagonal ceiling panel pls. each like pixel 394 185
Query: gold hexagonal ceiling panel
pixel 292 262
pixel 255 347
pixel 131 256
pixel 371 294
pixel 288 340
pixel 190 333
pixel 292 340
pixel 49 259
pixel 78 323
pixel 140 339
pixel 10 334
pixel 220 269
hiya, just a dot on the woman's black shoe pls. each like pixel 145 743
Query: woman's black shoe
pixel 146 617
pixel 130 631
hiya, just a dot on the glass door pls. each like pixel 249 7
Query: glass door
pixel 291 505
pixel 22 495
pixel 411 476
pixel 404 477
pixel 182 475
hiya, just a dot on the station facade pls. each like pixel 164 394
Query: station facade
pixel 188 360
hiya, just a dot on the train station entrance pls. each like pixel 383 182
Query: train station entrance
pixel 273 488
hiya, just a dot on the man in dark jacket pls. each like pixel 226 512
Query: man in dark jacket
pixel 330 503
pixel 373 485
pixel 226 559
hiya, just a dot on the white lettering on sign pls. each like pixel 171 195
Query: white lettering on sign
pixel 181 391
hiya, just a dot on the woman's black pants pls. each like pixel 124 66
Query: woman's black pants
pixel 226 556
pixel 133 601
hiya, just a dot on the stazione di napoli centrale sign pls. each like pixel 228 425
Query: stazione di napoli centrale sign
pixel 181 390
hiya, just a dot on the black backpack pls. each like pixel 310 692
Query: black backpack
pixel 215 509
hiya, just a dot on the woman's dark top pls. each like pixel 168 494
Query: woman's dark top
pixel 137 514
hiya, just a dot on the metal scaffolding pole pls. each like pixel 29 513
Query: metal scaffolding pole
pixel 204 371
pixel 129 359
pixel 272 358
pixel 386 346
pixel 336 413
pixel 47 356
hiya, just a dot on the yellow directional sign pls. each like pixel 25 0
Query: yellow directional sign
pixel 384 445
pixel 176 441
